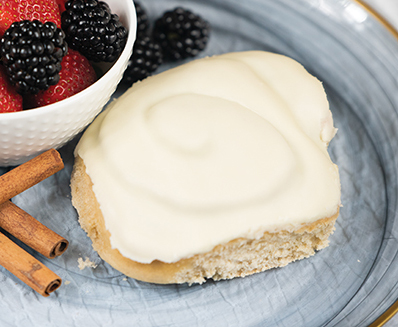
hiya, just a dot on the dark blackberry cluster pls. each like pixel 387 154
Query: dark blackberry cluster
pixel 147 55
pixel 93 30
pixel 32 53
pixel 181 34
pixel 146 58
pixel 142 20
pixel 178 34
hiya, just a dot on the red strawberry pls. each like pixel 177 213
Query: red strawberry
pixel 10 100
pixel 61 5
pixel 76 74
pixel 17 10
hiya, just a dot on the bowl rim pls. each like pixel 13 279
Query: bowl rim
pixel 128 12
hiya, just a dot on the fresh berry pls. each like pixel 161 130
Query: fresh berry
pixel 76 75
pixel 146 58
pixel 142 20
pixel 32 53
pixel 181 34
pixel 17 10
pixel 93 30
pixel 61 5
pixel 10 100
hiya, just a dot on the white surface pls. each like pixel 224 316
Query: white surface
pixel 27 133
pixel 387 8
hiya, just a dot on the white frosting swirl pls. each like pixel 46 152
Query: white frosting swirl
pixel 219 148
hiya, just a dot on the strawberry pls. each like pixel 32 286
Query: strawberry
pixel 61 5
pixel 17 10
pixel 76 75
pixel 10 100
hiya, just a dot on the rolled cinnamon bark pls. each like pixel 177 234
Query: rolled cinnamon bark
pixel 30 231
pixel 28 269
pixel 30 173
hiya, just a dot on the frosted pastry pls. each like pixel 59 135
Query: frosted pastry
pixel 215 169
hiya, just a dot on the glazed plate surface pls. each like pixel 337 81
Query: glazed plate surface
pixel 350 283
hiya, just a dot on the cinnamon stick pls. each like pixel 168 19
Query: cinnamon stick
pixel 28 269
pixel 30 173
pixel 30 231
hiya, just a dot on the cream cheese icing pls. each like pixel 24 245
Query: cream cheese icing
pixel 222 147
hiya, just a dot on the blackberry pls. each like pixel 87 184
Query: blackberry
pixel 181 34
pixel 93 30
pixel 142 20
pixel 32 53
pixel 146 58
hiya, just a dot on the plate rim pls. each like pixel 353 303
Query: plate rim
pixel 393 309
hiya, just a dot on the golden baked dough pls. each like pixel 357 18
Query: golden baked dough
pixel 237 258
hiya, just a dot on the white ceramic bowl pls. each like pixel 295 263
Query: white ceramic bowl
pixel 25 134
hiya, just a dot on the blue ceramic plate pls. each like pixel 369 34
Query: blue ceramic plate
pixel 351 283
